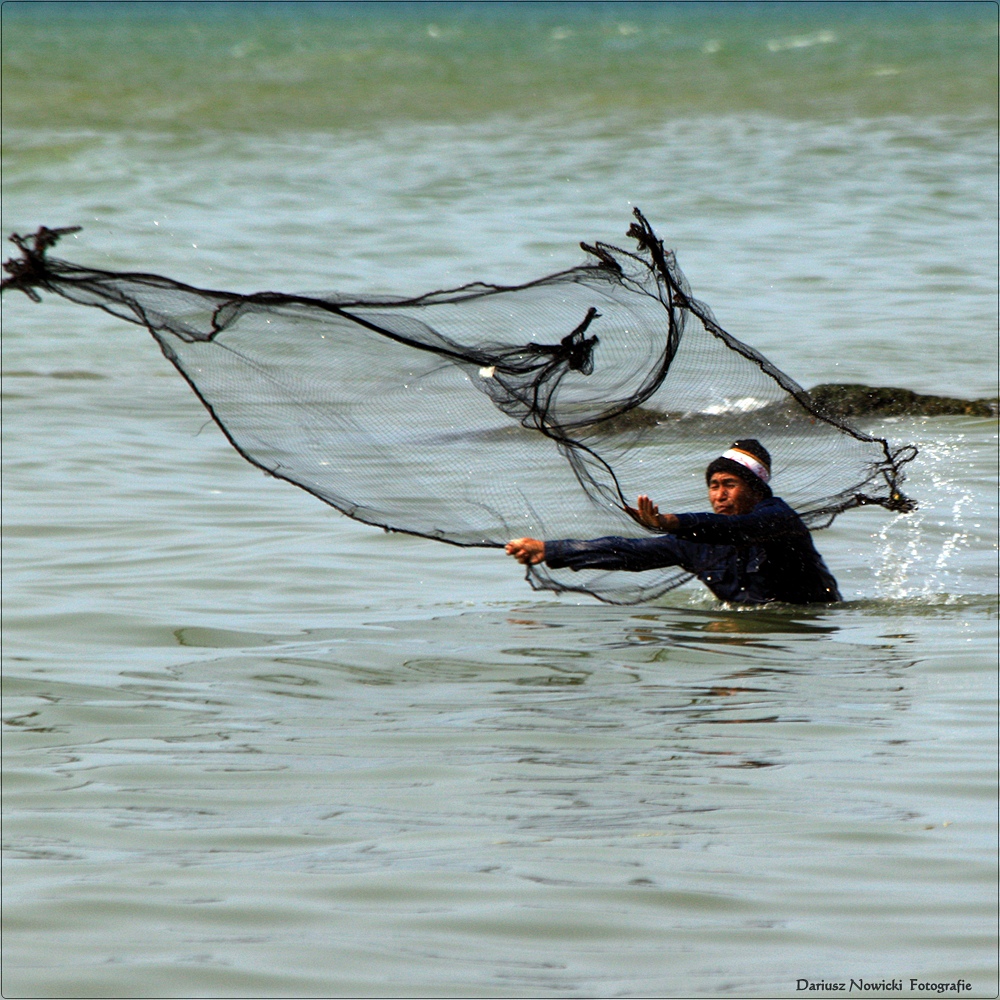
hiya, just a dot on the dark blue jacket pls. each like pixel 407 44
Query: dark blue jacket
pixel 766 555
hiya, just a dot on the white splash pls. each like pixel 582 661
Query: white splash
pixel 917 555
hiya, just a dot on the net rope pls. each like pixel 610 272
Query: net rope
pixel 482 413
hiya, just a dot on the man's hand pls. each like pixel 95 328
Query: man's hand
pixel 647 513
pixel 527 551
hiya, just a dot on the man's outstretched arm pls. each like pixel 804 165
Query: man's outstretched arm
pixel 601 553
pixel 606 553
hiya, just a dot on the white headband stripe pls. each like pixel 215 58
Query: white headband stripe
pixel 749 462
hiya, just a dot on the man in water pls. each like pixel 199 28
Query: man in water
pixel 753 549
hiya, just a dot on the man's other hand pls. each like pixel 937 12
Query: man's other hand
pixel 647 513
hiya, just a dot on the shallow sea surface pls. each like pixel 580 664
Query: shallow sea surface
pixel 253 748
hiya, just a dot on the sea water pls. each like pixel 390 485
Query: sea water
pixel 253 748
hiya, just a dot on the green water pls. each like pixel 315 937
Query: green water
pixel 253 748
pixel 273 67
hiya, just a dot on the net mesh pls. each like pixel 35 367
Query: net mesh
pixel 482 413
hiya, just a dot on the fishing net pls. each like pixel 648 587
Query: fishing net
pixel 484 413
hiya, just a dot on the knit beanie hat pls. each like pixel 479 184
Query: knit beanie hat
pixel 749 460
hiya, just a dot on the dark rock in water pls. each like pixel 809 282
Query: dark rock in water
pixel 886 401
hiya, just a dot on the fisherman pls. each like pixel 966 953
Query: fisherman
pixel 753 549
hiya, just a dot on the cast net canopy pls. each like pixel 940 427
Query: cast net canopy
pixel 485 413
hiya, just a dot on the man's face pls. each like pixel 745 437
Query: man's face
pixel 728 494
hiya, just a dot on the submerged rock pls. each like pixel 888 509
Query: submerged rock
pixel 886 401
pixel 836 399
pixel 638 418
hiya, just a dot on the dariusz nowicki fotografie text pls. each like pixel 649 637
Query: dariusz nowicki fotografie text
pixel 957 986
